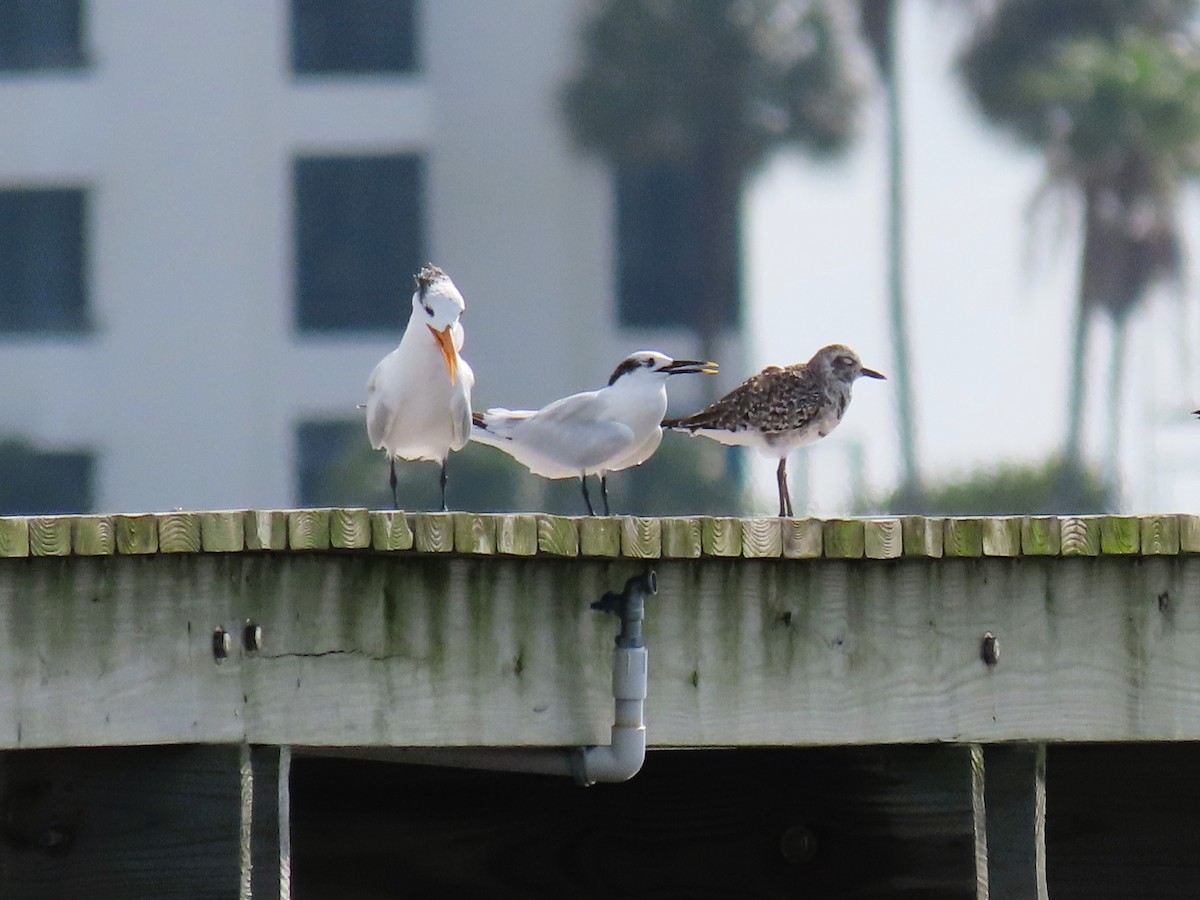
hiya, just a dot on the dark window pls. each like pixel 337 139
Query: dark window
pixel 658 212
pixel 36 482
pixel 42 261
pixel 322 448
pixel 353 36
pixel 360 237
pixel 40 34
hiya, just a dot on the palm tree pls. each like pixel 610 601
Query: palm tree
pixel 709 88
pixel 877 22
pixel 1109 92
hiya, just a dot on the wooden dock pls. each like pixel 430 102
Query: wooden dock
pixel 904 706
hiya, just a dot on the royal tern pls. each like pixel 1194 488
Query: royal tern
pixel 593 432
pixel 782 408
pixel 419 396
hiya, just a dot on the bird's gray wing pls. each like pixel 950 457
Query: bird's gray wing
pixel 460 408
pixel 576 430
pixel 379 415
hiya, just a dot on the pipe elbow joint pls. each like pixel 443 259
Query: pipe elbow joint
pixel 619 761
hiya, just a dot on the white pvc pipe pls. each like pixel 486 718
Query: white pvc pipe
pixel 623 757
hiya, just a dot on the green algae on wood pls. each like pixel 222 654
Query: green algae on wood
pixel 1160 535
pixel 136 533
pixel 762 538
pixel 721 536
pixel 265 529
pixel 308 529
pixel 641 537
pixel 475 534
pixel 14 536
pixel 922 536
pixel 883 539
pixel 179 532
pixel 962 537
pixel 390 530
pixel 1120 534
pixel 50 535
pixel 600 536
pixel 681 538
pixel 557 535
pixel 516 534
pixel 1041 535
pixel 1189 533
pixel 349 528
pixel 1002 536
pixel 845 538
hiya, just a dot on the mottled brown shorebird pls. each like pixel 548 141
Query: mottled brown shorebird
pixel 781 408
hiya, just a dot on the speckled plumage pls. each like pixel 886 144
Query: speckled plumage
pixel 782 407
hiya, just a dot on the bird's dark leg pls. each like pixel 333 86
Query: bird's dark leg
pixel 785 501
pixel 586 498
pixel 604 491
pixel 442 484
pixel 392 482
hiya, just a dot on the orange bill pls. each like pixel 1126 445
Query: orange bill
pixel 445 342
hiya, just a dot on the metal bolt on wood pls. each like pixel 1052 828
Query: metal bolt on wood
pixel 252 636
pixel 222 644
pixel 989 650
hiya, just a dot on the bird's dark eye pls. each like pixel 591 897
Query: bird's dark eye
pixel 845 362
pixel 649 364
pixel 428 311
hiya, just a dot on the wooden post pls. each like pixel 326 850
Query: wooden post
pixel 1009 788
pixel 164 822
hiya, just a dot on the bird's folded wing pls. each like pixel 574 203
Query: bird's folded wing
pixel 379 415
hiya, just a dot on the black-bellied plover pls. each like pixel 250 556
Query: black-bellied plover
pixel 781 408
pixel 593 432
pixel 419 396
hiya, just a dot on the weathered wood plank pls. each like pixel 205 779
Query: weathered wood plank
pixel 136 533
pixel 308 529
pixel 680 538
pixel 751 824
pixel 1160 535
pixel 762 538
pixel 266 529
pixel 844 538
pixel 1120 534
pixel 1121 821
pixel 223 531
pixel 433 532
pixel 802 538
pixel 1080 535
pixel 1015 804
pixel 558 535
pixel 50 535
pixel 504 650
pixel 963 537
pixel 14 536
pixel 641 537
pixel 1041 535
pixel 516 534
pixel 1189 533
pixel 1002 536
pixel 922 536
pixel 883 539
pixel 93 536
pixel 390 530
pixel 600 536
pixel 75 828
pixel 721 536
pixel 474 534
pixel 349 529
pixel 178 532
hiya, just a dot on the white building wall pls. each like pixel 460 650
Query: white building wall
pixel 184 128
